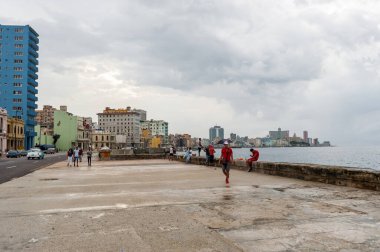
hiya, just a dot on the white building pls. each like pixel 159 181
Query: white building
pixel 121 122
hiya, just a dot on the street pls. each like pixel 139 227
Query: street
pixel 11 168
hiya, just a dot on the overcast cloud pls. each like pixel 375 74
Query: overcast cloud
pixel 249 66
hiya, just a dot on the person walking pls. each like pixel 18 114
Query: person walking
pixel 207 155
pixel 211 151
pixel 171 153
pixel 89 157
pixel 76 156
pixel 199 146
pixel 189 153
pixel 253 159
pixel 226 158
pixel 80 154
pixel 69 156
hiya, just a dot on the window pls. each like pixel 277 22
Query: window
pixel 17 92
pixel 19 53
pixel 19 38
pixel 18 61
pixel 19 45
pixel 17 76
pixel 18 69
pixel 17 84
pixel 17 100
pixel 19 30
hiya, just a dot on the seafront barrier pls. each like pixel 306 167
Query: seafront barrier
pixel 336 175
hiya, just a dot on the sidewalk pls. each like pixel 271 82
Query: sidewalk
pixel 157 205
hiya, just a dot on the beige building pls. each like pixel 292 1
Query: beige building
pixel 101 139
pixel 3 130
pixel 15 134
pixel 45 118
pixel 121 122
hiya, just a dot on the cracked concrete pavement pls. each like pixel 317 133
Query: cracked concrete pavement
pixel 157 205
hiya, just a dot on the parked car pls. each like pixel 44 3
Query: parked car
pixel 35 153
pixel 23 153
pixel 50 151
pixel 13 154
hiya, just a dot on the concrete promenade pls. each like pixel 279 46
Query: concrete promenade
pixel 157 205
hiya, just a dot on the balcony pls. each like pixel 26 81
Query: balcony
pixel 31 104
pixel 34 38
pixel 32 75
pixel 31 113
pixel 32 89
pixel 32 82
pixel 33 60
pixel 33 45
pixel 33 68
pixel 34 53
pixel 31 97
pixel 31 122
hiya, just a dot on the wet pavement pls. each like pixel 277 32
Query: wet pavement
pixel 157 205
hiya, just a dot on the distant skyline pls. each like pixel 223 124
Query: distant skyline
pixel 250 66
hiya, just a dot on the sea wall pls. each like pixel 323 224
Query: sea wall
pixel 336 175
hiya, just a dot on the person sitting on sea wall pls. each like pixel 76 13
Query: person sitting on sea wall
pixel 253 159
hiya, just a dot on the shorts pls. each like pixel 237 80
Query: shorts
pixel 76 158
pixel 226 166
pixel 171 154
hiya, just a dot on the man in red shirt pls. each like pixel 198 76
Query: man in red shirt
pixel 253 159
pixel 211 151
pixel 226 158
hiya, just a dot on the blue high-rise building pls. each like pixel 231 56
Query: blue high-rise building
pixel 18 75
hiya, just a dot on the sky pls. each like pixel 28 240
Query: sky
pixel 249 66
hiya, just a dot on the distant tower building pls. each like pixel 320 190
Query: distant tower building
pixel 305 136
pixel 142 114
pixel 233 137
pixel 216 132
pixel 18 76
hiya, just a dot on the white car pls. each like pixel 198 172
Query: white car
pixel 35 153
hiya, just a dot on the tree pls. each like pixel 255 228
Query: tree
pixel 55 138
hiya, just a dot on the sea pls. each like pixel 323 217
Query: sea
pixel 359 157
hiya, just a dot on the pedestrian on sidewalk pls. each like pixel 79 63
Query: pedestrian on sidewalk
pixel 69 156
pixel 206 149
pixel 76 156
pixel 80 154
pixel 188 155
pixel 171 153
pixel 89 156
pixel 199 146
pixel 226 158
pixel 252 161
pixel 211 151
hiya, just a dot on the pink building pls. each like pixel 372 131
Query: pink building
pixel 3 131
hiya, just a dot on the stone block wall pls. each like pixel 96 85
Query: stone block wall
pixel 336 175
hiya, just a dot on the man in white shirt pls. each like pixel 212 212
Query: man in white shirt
pixel 76 156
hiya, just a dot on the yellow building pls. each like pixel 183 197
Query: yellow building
pixel 15 134
pixel 156 142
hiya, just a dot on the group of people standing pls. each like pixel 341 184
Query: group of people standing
pixel 75 156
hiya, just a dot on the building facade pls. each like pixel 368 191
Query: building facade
pixel 3 131
pixel 45 118
pixel 157 128
pixel 15 134
pixel 121 122
pixel 279 134
pixel 65 125
pixel 18 76
pixel 216 133
pixel 101 139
